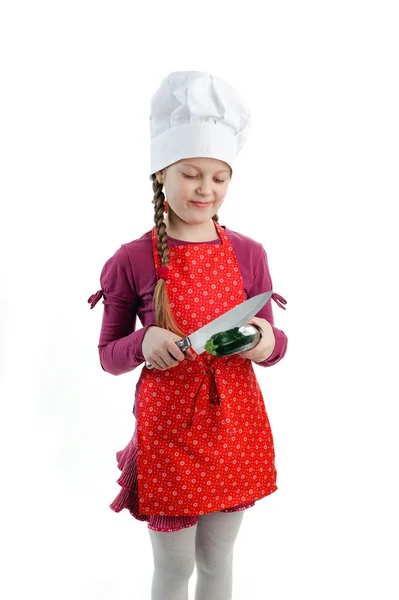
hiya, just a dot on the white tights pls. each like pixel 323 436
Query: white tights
pixel 208 545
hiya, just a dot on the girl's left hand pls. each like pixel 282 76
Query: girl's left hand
pixel 266 344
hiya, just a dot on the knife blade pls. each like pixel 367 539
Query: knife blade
pixel 235 317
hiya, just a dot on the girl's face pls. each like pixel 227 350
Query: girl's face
pixel 194 188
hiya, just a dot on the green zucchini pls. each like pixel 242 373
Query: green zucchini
pixel 233 341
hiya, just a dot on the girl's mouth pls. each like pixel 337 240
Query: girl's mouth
pixel 202 204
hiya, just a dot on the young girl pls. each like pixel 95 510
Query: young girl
pixel 202 450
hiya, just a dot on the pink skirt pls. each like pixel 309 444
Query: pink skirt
pixel 128 496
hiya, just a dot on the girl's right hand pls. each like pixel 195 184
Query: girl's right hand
pixel 160 349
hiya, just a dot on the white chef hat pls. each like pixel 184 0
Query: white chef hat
pixel 194 114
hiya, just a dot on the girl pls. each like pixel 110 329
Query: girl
pixel 202 450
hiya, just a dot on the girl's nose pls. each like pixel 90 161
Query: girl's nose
pixel 205 187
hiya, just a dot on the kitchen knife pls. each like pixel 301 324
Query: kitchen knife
pixel 235 317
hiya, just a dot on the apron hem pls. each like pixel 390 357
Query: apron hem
pixel 128 497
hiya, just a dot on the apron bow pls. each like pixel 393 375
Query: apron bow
pixel 213 390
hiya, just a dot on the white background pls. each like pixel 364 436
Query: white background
pixel 316 183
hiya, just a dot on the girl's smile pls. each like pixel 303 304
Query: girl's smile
pixel 202 204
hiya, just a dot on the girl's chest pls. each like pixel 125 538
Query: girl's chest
pixel 200 278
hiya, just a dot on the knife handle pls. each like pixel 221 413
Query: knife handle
pixel 183 344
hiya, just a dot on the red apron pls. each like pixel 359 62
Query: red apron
pixel 204 438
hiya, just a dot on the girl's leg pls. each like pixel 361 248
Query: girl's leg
pixel 216 534
pixel 174 562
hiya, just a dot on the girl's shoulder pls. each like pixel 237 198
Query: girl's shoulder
pixel 241 237
pixel 244 243
pixel 139 245
pixel 130 257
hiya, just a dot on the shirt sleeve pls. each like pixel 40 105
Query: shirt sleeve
pixel 120 345
pixel 262 282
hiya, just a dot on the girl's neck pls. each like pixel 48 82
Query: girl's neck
pixel 186 232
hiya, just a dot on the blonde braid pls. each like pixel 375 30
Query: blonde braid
pixel 163 313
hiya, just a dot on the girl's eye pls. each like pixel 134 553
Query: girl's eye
pixel 193 177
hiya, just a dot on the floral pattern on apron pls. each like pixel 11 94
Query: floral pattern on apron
pixel 204 438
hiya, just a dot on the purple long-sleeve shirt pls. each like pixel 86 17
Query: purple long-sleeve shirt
pixel 128 280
